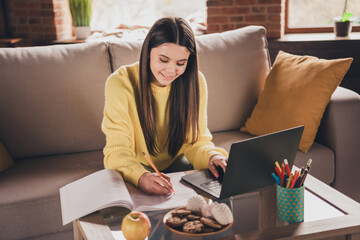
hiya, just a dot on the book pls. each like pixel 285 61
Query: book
pixel 106 189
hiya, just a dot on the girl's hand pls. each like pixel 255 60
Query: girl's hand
pixel 152 183
pixel 216 161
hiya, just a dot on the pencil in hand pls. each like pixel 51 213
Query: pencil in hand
pixel 156 170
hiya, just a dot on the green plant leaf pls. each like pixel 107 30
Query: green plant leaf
pixel 346 17
pixel 80 12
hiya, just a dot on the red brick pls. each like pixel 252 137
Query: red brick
pixel 213 11
pixel 269 1
pixel 227 27
pixel 234 10
pixel 258 9
pixel 237 19
pixel 219 19
pixel 41 13
pixel 48 20
pixel 273 27
pixel 19 13
pixel 35 20
pixel 219 3
pixel 245 2
pixel 255 18
pixel 213 28
pixel 241 25
pixel 273 34
pixel 47 6
pixel 22 28
pixel 274 18
pixel 273 9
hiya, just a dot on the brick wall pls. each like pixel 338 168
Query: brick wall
pixel 42 21
pixel 226 15
pixel 39 21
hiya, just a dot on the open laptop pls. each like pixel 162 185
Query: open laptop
pixel 250 164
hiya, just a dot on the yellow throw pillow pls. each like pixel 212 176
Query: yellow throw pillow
pixel 296 92
pixel 5 160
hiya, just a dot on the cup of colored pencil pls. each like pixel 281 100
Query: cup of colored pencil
pixel 290 191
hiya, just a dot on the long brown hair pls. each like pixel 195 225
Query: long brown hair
pixel 184 94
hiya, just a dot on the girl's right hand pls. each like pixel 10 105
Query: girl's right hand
pixel 152 183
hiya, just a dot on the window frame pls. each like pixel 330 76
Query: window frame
pixel 309 30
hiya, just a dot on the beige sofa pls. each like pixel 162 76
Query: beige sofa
pixel 51 107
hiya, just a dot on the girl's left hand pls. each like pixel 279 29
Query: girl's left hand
pixel 216 161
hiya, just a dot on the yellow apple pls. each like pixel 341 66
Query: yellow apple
pixel 136 226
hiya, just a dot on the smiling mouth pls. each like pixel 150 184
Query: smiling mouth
pixel 165 76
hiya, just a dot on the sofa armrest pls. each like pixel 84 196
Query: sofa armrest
pixel 340 131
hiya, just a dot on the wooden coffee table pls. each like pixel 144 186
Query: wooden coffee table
pixel 344 226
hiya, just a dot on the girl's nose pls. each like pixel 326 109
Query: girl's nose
pixel 170 68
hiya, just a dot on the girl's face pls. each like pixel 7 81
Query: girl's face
pixel 167 62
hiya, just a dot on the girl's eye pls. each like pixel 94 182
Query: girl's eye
pixel 164 61
pixel 181 64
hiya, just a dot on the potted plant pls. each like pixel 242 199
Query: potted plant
pixel 81 16
pixel 343 23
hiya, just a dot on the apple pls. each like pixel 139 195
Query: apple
pixel 136 226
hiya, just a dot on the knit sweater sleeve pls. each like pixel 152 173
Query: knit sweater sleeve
pixel 200 152
pixel 118 126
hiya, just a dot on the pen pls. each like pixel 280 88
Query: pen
pixel 308 164
pixel 155 168
pixel 303 177
pixel 287 167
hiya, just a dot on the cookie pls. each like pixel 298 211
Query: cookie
pixel 193 227
pixel 176 221
pixel 195 202
pixel 180 212
pixel 222 213
pixel 193 217
pixel 210 222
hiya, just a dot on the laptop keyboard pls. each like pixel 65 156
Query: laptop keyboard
pixel 213 186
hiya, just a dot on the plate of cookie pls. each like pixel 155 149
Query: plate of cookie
pixel 189 223
pixel 199 218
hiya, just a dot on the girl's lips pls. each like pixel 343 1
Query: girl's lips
pixel 165 76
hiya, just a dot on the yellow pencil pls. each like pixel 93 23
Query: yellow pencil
pixel 289 181
pixel 152 164
pixel 154 167
pixel 278 166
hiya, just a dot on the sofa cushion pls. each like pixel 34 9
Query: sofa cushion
pixel 235 64
pixel 323 166
pixel 30 192
pixel 124 52
pixel 53 104
pixel 296 92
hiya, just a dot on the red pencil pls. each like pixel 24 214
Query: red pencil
pixel 294 179
pixel 287 167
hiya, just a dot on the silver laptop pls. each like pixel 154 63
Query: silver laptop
pixel 250 164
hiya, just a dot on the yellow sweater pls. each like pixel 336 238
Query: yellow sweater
pixel 124 137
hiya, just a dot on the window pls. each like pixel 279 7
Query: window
pixel 110 14
pixel 306 16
